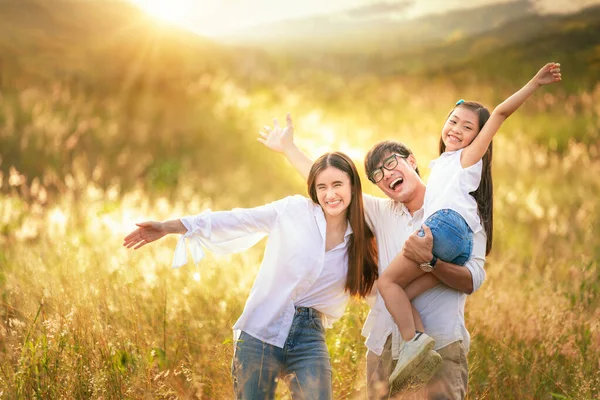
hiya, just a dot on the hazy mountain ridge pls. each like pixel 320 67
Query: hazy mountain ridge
pixel 338 32
pixel 573 39
pixel 89 43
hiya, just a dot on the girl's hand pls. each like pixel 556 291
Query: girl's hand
pixel 550 73
pixel 278 138
pixel 147 232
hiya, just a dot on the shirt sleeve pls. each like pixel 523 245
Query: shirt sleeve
pixel 372 207
pixel 226 232
pixel 477 260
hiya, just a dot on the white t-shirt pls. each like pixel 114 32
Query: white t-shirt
pixel 441 308
pixel 449 186
pixel 295 270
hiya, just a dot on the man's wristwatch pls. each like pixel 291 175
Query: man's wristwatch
pixel 429 266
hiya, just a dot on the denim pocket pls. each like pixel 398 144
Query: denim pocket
pixel 317 324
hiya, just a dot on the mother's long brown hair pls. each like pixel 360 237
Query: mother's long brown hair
pixel 362 249
pixel 484 195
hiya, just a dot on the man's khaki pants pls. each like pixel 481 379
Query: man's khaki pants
pixel 449 382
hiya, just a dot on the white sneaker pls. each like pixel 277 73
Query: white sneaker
pixel 423 372
pixel 411 355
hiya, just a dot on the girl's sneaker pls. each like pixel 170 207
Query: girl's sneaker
pixel 422 373
pixel 411 355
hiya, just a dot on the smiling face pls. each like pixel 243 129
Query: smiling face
pixel 333 191
pixel 461 127
pixel 402 182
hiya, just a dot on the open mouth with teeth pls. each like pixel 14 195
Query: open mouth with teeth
pixel 396 182
pixel 333 203
pixel 454 138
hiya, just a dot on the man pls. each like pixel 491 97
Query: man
pixel 394 221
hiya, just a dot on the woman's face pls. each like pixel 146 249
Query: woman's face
pixel 334 191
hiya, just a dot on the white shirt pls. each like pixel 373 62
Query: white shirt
pixel 441 308
pixel 449 187
pixel 295 270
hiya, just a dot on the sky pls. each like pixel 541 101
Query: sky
pixel 214 18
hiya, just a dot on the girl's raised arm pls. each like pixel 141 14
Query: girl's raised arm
pixel 550 73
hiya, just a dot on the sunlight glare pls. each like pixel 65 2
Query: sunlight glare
pixel 58 219
pixel 174 11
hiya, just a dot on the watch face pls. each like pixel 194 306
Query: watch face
pixel 426 267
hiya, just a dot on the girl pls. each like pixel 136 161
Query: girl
pixel 319 252
pixel 458 202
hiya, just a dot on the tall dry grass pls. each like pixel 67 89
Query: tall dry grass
pixel 81 317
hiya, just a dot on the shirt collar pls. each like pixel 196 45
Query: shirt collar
pixel 401 209
pixel 443 156
pixel 322 223
pixel 349 230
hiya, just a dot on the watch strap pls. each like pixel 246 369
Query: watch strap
pixel 433 261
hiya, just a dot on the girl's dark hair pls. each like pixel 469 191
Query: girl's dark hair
pixel 484 195
pixel 362 249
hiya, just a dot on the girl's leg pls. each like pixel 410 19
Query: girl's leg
pixel 416 346
pixel 308 368
pixel 418 321
pixel 255 368
pixel 399 273
pixel 421 285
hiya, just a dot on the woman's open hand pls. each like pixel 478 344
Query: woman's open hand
pixel 147 232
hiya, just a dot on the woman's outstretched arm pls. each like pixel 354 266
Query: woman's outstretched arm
pixel 150 231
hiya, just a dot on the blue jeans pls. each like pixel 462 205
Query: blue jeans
pixel 303 363
pixel 452 237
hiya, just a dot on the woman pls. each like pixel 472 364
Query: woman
pixel 319 252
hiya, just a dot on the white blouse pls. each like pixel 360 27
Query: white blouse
pixel 295 270
pixel 449 186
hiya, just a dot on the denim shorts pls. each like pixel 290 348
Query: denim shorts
pixel 452 236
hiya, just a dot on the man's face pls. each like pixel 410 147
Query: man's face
pixel 399 183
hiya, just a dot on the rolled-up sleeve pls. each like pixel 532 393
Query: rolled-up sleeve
pixel 476 262
pixel 226 232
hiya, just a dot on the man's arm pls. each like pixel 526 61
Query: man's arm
pixel 282 140
pixel 467 278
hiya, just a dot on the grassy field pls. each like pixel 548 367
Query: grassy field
pixel 82 160
pixel 82 317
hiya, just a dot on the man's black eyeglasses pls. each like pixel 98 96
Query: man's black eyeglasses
pixel 389 163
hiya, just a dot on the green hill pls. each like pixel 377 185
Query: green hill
pixel 94 42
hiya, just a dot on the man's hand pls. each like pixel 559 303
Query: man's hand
pixel 550 73
pixel 419 248
pixel 278 138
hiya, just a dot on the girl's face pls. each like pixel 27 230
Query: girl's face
pixel 461 127
pixel 334 191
